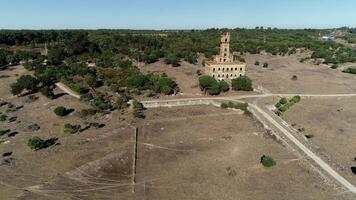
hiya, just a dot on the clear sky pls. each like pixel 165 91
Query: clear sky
pixel 175 14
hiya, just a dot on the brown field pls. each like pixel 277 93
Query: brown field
pixel 331 122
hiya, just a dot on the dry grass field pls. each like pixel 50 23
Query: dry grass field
pixel 193 153
pixel 332 123
pixel 311 79
pixel 196 152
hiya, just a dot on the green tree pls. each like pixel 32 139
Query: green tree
pixel 138 81
pixel 90 80
pixel 206 82
pixel 35 143
pixel 16 89
pixel 242 83
pixel 56 56
pixel 224 86
pixel 61 111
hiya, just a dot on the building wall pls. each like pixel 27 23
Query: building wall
pixel 226 71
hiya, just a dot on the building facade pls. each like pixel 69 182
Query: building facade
pixel 224 66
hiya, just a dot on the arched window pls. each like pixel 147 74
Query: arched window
pixel 218 75
pixel 236 68
pixel 231 75
pixel 232 69
pixel 222 75
pixel 219 69
pixel 213 69
pixel 240 75
pixel 227 69
pixel 223 69
pixel 241 69
pixel 235 75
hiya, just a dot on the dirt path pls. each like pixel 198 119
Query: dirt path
pixel 67 90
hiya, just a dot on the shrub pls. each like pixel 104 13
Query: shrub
pixel 138 109
pixel 257 63
pixel 3 118
pixel 224 86
pixel 267 161
pixel 283 101
pixel 296 99
pixel 61 111
pixel 265 65
pixel 31 98
pixel 102 103
pixel 350 70
pixel 214 90
pixel 47 91
pixel 114 87
pixel 282 108
pixel 87 112
pixel 294 77
pixel 3 132
pixel 242 83
pixel 224 105
pixel 334 66
pixel 35 143
pixel 69 128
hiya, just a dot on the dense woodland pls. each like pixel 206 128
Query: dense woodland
pixel 114 53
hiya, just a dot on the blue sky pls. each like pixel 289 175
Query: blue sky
pixel 175 14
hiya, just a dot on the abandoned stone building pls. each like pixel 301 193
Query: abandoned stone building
pixel 224 66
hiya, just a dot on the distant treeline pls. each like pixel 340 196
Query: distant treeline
pixel 104 46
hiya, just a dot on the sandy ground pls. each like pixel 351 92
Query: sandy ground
pixel 331 122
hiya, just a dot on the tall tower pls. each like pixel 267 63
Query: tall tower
pixel 225 55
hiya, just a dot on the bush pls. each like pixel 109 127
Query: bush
pixel 257 63
pixel 294 78
pixel 102 103
pixel 47 91
pixel 138 109
pixel 296 99
pixel 267 161
pixel 3 132
pixel 87 112
pixel 138 81
pixel 224 105
pixel 68 128
pixel 242 83
pixel 265 65
pixel 224 86
pixel 283 109
pixel 214 90
pixel 350 70
pixel 61 111
pixel 35 143
pixel 334 66
pixel 3 118
pixel 283 101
